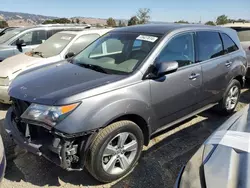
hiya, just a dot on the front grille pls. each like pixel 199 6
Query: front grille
pixel 19 106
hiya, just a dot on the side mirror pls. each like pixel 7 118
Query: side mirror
pixel 167 67
pixel 69 55
pixel 20 43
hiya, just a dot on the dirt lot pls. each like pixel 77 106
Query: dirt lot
pixel 159 165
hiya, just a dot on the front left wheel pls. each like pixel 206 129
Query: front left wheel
pixel 115 151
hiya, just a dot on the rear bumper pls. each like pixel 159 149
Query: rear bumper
pixel 4 97
pixel 66 153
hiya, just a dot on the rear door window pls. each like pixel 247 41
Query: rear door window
pixel 229 45
pixel 209 45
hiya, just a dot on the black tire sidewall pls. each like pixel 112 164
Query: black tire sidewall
pixel 97 163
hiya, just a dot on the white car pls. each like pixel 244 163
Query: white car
pixel 60 46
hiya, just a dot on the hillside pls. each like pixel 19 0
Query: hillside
pixel 23 19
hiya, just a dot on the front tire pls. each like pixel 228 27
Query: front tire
pixel 115 151
pixel 231 98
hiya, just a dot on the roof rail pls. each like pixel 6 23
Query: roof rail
pixel 60 25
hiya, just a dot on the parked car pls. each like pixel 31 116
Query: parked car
pixel 222 161
pixel 24 39
pixel 243 30
pixel 5 30
pixel 2 160
pixel 60 46
pixel 99 109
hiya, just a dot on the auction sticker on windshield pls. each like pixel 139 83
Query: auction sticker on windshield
pixel 147 38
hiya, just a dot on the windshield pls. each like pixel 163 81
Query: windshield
pixel 8 35
pixel 243 33
pixel 117 53
pixel 53 46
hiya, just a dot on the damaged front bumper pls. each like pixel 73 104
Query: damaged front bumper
pixel 67 151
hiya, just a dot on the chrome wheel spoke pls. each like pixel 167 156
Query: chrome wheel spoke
pixel 110 165
pixel 122 139
pixel 131 146
pixel 119 153
pixel 124 162
pixel 234 100
pixel 110 150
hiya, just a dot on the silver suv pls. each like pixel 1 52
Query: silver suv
pixel 24 39
pixel 98 109
pixel 243 30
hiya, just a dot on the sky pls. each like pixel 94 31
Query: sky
pixel 161 10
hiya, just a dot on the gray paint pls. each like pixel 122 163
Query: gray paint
pixel 222 166
pixel 106 97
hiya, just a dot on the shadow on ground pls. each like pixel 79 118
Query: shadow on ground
pixel 158 166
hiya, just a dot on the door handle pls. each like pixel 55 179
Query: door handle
pixel 193 76
pixel 228 64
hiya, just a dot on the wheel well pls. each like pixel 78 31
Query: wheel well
pixel 240 79
pixel 140 122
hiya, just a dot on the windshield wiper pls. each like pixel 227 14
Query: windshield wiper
pixel 93 67
pixel 37 53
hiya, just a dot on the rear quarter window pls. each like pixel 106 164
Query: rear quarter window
pixel 229 45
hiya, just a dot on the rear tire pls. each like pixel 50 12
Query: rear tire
pixel 230 98
pixel 115 151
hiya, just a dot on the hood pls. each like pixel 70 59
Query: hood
pixel 48 84
pixel 224 159
pixel 15 63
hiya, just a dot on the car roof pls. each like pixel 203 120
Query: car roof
pixel 237 24
pixel 55 26
pixel 163 28
pixel 88 31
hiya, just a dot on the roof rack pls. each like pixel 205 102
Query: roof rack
pixel 64 25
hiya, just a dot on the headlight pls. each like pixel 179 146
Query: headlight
pixel 4 81
pixel 50 115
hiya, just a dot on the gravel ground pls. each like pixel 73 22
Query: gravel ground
pixel 159 165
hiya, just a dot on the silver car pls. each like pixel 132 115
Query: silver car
pixel 243 30
pixel 24 39
pixel 60 46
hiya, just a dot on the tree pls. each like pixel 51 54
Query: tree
pixel 221 20
pixel 98 25
pixel 181 22
pixel 59 20
pixel 143 15
pixel 77 21
pixel 133 21
pixel 72 21
pixel 210 23
pixel 3 24
pixel 121 24
pixel 84 22
pixel 111 22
